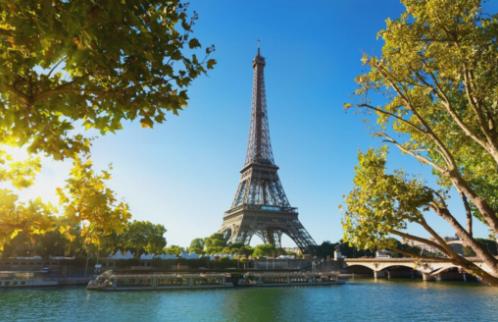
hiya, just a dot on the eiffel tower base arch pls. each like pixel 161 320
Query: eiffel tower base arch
pixel 240 225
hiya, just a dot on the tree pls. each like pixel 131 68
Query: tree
pixel 197 246
pixel 32 218
pixel 240 250
pixel 92 63
pixel 174 250
pixel 325 249
pixel 264 250
pixel 215 243
pixel 438 73
pixel 89 203
pixel 143 237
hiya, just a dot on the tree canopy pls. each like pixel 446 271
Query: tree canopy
pixel 92 64
pixel 71 66
pixel 143 237
pixel 439 76
pixel 265 250
pixel 197 246
pixel 89 202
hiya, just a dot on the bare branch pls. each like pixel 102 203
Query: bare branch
pixel 468 213
pixel 419 239
pixel 55 66
pixel 419 157
pixel 411 124
pixel 418 256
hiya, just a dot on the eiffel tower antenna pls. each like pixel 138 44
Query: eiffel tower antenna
pixel 260 206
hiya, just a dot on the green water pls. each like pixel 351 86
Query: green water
pixel 354 301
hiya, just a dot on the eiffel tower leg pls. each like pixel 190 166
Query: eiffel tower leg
pixel 300 236
pixel 277 237
pixel 270 237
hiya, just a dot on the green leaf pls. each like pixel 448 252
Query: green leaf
pixel 194 43
pixel 211 63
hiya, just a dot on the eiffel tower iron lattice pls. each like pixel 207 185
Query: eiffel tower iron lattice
pixel 260 206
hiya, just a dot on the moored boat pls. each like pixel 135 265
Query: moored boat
pixel 119 281
pixel 111 281
pixel 289 279
pixel 24 279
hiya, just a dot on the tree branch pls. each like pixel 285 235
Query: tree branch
pixel 422 159
pixel 419 239
pixel 468 213
pixel 492 146
pixel 453 173
pixel 411 124
pixel 449 107
pixel 480 251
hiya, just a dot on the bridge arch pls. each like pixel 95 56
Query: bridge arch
pixel 394 265
pixel 360 269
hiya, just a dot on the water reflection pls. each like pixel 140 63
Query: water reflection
pixel 257 304
pixel 358 300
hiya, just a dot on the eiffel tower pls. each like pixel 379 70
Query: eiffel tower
pixel 260 206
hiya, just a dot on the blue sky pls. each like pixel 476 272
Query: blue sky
pixel 184 173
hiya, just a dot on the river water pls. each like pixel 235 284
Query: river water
pixel 353 301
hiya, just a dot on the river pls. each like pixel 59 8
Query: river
pixel 353 301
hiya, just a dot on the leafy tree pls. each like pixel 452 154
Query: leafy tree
pixel 353 252
pixel 89 203
pixel 240 250
pixel 325 249
pixel 174 250
pixel 143 237
pixel 33 218
pixel 438 73
pixel 66 66
pixel 215 243
pixel 382 205
pixel 20 174
pixel 94 64
pixel 197 246
pixel 264 250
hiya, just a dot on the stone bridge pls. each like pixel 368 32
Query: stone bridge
pixel 428 268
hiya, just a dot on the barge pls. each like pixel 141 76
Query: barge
pixel 116 281
pixel 24 279
pixel 289 279
pixel 109 281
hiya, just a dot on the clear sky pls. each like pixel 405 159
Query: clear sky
pixel 184 173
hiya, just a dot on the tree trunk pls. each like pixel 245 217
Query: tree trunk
pixel 468 213
pixel 488 214
pixel 468 241
pixel 456 259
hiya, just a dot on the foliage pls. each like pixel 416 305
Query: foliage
pixel 438 73
pixel 197 246
pixel 32 218
pixel 92 63
pixel 240 250
pixel 143 237
pixel 381 203
pixel 20 173
pixel 264 250
pixel 87 201
pixel 174 250
pixel 215 244
pixel 325 249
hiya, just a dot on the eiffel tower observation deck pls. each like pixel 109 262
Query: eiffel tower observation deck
pixel 260 206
